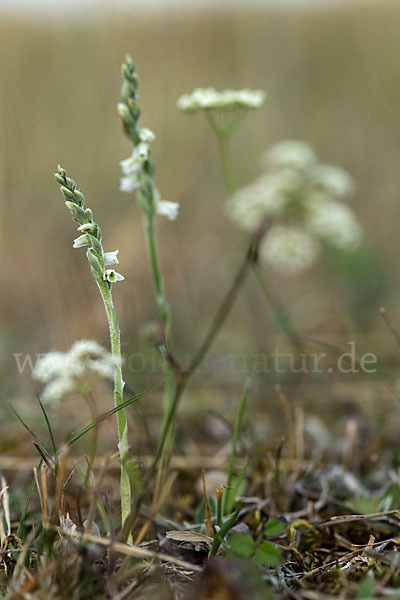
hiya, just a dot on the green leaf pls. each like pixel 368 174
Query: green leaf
pixel 242 544
pixel 269 554
pixel 391 498
pixel 366 588
pixel 274 528
pixel 201 511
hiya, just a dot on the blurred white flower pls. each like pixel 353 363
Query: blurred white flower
pixel 146 135
pixel 168 209
pixel 83 348
pixel 260 199
pixel 332 180
pixel 302 193
pixel 64 373
pixel 288 249
pixel 290 153
pixel 334 223
pixel 210 99
pixel 57 364
pixel 130 183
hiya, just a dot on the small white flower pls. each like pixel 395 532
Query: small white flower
pixel 112 276
pixel 83 348
pixel 64 373
pixel 55 364
pixel 289 249
pixel 168 209
pixel 332 180
pixel 104 367
pixel 130 183
pixel 81 241
pixel 290 153
pixel 123 110
pixel 133 164
pixel 146 135
pixel 210 99
pixel 57 389
pixel 111 258
pixel 265 197
pixel 335 223
pixel 130 165
pixel 143 151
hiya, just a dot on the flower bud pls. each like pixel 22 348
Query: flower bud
pixel 95 243
pixel 77 213
pixel 71 183
pixel 80 198
pixel 89 214
pixel 59 178
pixel 96 267
pixel 62 171
pixel 68 195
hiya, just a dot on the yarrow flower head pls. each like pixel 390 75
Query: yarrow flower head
pixel 303 198
pixel 210 99
pixel 138 169
pixel 223 109
pixel 288 249
pixel 68 373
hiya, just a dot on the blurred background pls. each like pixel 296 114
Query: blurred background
pixel 332 76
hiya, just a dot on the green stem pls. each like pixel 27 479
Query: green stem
pixel 123 443
pixel 226 159
pixel 283 318
pixel 164 314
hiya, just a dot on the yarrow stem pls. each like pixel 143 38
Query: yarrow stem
pixel 74 200
pixel 226 159
pixel 282 316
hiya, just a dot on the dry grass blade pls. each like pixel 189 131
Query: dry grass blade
pixel 128 550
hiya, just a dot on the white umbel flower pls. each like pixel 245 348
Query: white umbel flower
pixel 64 373
pixel 333 181
pixel 290 153
pixel 288 249
pixel 210 99
pixel 334 223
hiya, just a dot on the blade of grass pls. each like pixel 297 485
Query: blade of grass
pixel 49 428
pixel 32 433
pixel 235 438
pixel 27 501
pixel 70 442
pixel 111 412
pixel 219 536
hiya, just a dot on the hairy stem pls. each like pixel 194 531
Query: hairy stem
pixel 164 314
pixel 123 443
